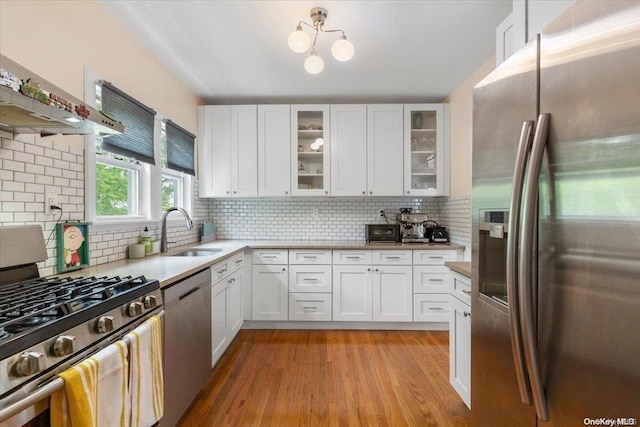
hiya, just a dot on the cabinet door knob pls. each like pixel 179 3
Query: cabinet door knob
pixel 368 269
pixel 235 192
pixel 286 192
pixel 466 313
pixel 227 192
pixel 326 192
pixel 364 192
pixel 408 192
pixel 370 192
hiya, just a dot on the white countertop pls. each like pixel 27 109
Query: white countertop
pixel 169 269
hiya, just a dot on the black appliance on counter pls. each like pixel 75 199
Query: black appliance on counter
pixel 50 324
pixel 382 233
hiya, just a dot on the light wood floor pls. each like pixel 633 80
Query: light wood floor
pixel 331 378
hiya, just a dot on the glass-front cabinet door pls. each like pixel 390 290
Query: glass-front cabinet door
pixel 310 150
pixel 426 154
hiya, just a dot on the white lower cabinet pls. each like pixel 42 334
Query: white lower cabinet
pixel 460 349
pixel 381 293
pixel 392 293
pixel 269 292
pixel 236 302
pixel 226 304
pixel 352 293
pixel 220 329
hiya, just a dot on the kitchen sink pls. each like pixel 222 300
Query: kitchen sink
pixel 197 252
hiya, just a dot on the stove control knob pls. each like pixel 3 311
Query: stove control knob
pixel 63 345
pixel 29 363
pixel 134 309
pixel 104 324
pixel 150 301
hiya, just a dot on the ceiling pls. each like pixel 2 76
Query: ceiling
pixel 236 51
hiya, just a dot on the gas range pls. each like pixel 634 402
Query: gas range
pixel 36 309
pixel 48 324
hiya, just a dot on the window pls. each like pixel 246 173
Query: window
pixel 117 184
pixel 135 176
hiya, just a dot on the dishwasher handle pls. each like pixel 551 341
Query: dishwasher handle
pixel 189 293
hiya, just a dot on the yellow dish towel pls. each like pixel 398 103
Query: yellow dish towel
pixel 145 373
pixel 95 392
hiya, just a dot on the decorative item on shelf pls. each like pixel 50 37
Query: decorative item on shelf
pixel 300 42
pixel 304 166
pixel 9 80
pixel 83 111
pixel 302 127
pixel 316 127
pixel 60 102
pixel 317 145
pixel 32 90
pixel 72 246
pixel 300 148
pixel 417 120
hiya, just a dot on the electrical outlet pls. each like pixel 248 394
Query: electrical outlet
pixel 50 199
pixel 381 213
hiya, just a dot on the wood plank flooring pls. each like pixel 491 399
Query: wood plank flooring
pixel 331 378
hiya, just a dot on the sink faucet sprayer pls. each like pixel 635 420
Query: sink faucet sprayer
pixel 163 236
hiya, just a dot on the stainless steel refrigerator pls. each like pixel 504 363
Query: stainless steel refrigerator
pixel 556 226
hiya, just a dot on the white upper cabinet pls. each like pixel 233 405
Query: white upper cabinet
pixel 244 155
pixel 310 150
pixel 426 150
pixel 384 149
pixel 274 141
pixel 348 150
pixel 227 150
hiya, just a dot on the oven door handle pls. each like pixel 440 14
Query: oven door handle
pixel 41 393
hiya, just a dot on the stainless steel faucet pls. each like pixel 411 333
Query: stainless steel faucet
pixel 163 236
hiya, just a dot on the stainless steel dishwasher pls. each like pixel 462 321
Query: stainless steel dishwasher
pixel 187 343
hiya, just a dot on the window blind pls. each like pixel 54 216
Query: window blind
pixel 137 139
pixel 180 148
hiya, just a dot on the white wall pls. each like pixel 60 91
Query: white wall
pixel 461 127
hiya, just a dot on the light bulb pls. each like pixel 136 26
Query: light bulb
pixel 299 40
pixel 319 142
pixel 342 49
pixel 314 146
pixel 313 64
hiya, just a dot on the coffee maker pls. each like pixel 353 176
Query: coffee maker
pixel 412 227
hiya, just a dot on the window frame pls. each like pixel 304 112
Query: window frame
pixel 149 211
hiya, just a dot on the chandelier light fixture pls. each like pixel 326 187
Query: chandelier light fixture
pixel 299 42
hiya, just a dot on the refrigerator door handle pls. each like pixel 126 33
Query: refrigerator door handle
pixel 524 147
pixel 528 316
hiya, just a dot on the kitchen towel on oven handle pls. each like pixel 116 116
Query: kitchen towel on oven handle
pixel 95 391
pixel 145 373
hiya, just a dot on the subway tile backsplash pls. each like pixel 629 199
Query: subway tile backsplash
pixel 31 166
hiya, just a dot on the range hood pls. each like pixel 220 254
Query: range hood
pixel 22 114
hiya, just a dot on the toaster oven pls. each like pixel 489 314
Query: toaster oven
pixel 382 233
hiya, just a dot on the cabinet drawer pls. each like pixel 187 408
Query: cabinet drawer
pixel 221 270
pixel 460 287
pixel 310 278
pixel 392 257
pixel 309 256
pixel 433 257
pixel 429 279
pixel 310 306
pixel 235 262
pixel 270 256
pixel 431 307
pixel 352 257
